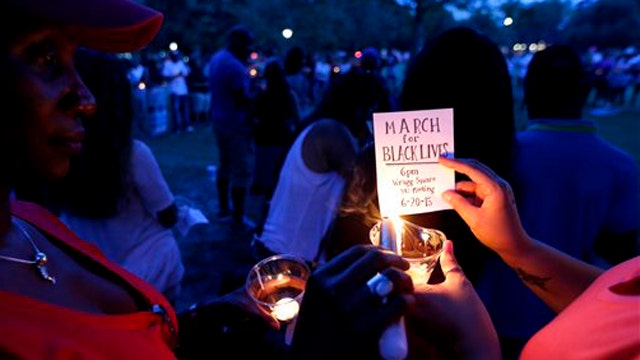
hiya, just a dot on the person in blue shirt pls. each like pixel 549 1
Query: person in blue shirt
pixel 575 191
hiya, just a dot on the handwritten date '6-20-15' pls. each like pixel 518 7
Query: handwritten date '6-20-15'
pixel 416 201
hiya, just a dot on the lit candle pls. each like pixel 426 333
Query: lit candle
pixel 285 309
pixel 391 235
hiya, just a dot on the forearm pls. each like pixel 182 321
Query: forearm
pixel 555 277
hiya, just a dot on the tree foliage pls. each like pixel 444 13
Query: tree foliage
pixel 605 24
pixel 541 21
pixel 327 24
pixel 330 25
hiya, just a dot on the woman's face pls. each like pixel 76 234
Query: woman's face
pixel 47 100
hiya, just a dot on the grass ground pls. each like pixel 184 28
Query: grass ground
pixel 216 258
pixel 623 130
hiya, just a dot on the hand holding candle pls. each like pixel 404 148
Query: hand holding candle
pixel 407 185
pixel 421 247
pixel 393 342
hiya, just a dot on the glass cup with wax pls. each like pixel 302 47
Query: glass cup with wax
pixel 277 284
pixel 419 245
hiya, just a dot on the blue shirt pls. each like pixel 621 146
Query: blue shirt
pixel 229 85
pixel 570 185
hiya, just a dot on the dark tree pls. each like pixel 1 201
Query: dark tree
pixel 605 24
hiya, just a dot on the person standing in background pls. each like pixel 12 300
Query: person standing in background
pixel 294 69
pixel 575 191
pixel 317 167
pixel 138 72
pixel 175 72
pixel 322 75
pixel 139 79
pixel 198 84
pixel 275 117
pixel 479 90
pixel 229 83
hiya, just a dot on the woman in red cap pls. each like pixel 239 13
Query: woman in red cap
pixel 57 290
pixel 60 297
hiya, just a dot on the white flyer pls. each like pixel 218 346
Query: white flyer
pixel 407 147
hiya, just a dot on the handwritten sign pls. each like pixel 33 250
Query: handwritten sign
pixel 407 146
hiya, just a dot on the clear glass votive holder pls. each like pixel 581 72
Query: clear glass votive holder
pixel 277 285
pixel 419 245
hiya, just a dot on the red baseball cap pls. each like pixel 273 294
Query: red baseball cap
pixel 106 25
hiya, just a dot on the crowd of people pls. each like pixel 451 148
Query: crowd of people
pixel 308 74
pixel 612 77
pixel 542 260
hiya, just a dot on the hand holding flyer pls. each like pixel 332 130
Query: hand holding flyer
pixel 409 181
pixel 408 144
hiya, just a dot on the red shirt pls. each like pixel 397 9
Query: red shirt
pixel 32 329
pixel 599 324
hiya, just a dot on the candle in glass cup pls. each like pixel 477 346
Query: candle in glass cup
pixel 419 245
pixel 281 295
pixel 277 284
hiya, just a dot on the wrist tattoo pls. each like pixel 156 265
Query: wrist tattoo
pixel 532 280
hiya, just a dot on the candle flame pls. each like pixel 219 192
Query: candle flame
pixel 285 309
